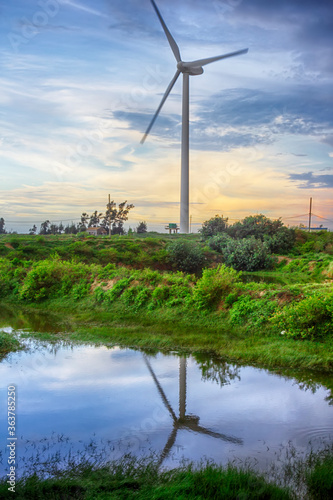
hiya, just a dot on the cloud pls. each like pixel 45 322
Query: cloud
pixel 310 181
pixel 307 27
pixel 244 117
pixel 84 8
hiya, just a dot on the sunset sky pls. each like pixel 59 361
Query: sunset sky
pixel 80 81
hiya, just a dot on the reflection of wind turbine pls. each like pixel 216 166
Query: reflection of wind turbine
pixel 187 68
pixel 189 422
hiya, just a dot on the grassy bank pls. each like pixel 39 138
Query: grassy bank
pixel 298 478
pixel 282 323
pixel 129 479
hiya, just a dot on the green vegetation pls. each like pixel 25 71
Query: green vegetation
pixel 8 343
pixel 298 476
pixel 185 293
pixel 130 478
pixel 140 285
pixel 320 480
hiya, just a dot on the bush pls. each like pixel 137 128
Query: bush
pixel 214 226
pixel 281 242
pixel 185 256
pixel 219 242
pixel 214 285
pixel 258 226
pixel 53 278
pixel 255 312
pixel 310 319
pixel 248 254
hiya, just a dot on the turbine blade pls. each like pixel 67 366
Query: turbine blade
pixel 224 437
pixel 160 390
pixel 172 42
pixel 167 92
pixel 203 62
pixel 168 446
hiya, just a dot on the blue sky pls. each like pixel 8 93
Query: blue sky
pixel 80 81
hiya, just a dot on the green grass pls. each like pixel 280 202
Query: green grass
pixel 117 290
pixel 140 479
pixel 8 344
pixel 320 480
pixel 193 332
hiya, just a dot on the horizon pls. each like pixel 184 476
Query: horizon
pixel 81 81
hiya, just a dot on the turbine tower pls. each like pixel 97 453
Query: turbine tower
pixel 188 69
pixel 184 421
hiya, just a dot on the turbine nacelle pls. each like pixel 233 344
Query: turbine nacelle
pixel 185 67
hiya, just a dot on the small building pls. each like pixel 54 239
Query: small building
pixel 97 231
pixel 172 228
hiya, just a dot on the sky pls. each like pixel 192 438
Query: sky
pixel 80 81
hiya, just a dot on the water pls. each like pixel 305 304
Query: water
pixel 90 401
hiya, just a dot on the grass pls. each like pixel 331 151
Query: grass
pixel 191 333
pixel 131 478
pixel 294 476
pixel 8 344
pixel 102 292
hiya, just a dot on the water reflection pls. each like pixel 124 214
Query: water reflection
pixel 109 401
pixel 190 422
pixel 36 321
pixel 217 370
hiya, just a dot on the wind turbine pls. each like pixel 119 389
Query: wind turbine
pixel 188 69
pixel 189 422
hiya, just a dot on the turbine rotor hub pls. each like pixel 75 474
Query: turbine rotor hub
pixel 193 71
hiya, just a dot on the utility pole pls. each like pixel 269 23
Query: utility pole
pixel 310 214
pixel 109 207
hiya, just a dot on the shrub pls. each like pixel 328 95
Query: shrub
pixel 213 286
pixel 280 242
pixel 213 226
pixel 117 289
pixel 186 256
pixel 248 254
pixel 142 298
pixel 53 278
pixel 219 242
pixel 255 312
pixel 258 226
pixel 311 318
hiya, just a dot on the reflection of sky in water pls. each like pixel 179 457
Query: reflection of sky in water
pixel 109 395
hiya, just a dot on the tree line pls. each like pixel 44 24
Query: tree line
pixel 112 221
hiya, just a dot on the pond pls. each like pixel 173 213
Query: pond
pixel 97 401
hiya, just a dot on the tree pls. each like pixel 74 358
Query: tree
pixel 2 226
pixel 73 229
pixel 186 256
pixel 258 226
pixel 33 229
pixel 45 227
pixel 141 227
pixel 95 218
pixel 214 226
pixel 115 218
pixel 278 238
